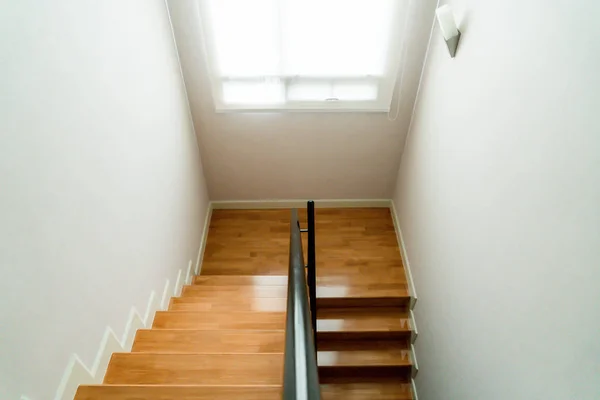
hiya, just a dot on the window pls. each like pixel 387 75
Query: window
pixel 302 54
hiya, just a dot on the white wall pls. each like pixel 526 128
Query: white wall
pixel 102 195
pixel 297 155
pixel 498 197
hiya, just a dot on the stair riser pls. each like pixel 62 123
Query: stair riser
pixel 402 303
pixel 208 342
pixel 251 280
pixel 370 389
pixel 165 392
pixel 342 336
pixel 219 321
pixel 252 304
pixel 194 369
pixel 345 344
pixel 364 373
pixel 231 292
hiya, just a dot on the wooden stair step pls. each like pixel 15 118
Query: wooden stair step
pixel 214 342
pixel 376 389
pixel 227 304
pixel 209 320
pixel 241 280
pixel 365 354
pixel 365 344
pixel 342 276
pixel 362 323
pixel 346 302
pixel 170 392
pixel 229 292
pixel 195 369
pixel 364 358
pixel 264 265
pixel 373 295
pixel 364 290
pixel 400 373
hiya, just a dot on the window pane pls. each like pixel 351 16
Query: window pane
pixel 318 91
pixel 266 92
pixel 271 52
pixel 336 37
pixel 245 36
pixel 327 90
pixel 355 91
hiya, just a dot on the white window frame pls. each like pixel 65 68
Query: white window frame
pixel 385 83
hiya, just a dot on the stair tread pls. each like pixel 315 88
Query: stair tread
pixel 228 304
pixel 333 277
pixel 362 320
pixel 210 320
pixel 378 389
pixel 375 290
pixel 173 392
pixel 205 341
pixel 364 357
pixel 232 291
pixel 241 280
pixel 195 369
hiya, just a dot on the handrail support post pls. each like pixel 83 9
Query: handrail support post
pixel 312 272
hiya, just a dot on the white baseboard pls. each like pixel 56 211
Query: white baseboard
pixel 411 285
pixel 166 296
pixel 276 204
pixel 178 285
pixel 413 358
pixel 413 295
pixel 189 273
pixel 204 239
pixel 77 373
pixel 414 389
pixel 414 332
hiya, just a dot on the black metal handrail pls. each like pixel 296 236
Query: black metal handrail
pixel 301 375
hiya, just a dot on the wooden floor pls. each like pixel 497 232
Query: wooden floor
pixel 223 338
pixel 354 246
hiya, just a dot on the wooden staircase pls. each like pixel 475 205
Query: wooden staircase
pixel 223 338
pixel 364 348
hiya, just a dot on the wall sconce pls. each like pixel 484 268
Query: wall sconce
pixel 449 29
